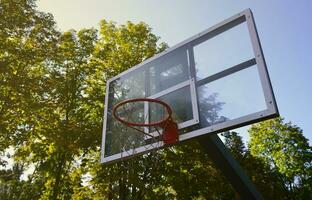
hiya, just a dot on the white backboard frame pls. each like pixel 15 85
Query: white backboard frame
pixel 258 60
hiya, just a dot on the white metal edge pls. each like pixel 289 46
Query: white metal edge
pixel 196 133
pixel 187 123
pixel 195 113
pixel 104 123
pixel 171 89
pixel 262 68
pixel 130 153
pixel 180 126
pixel 194 102
pixel 146 113
pixel 189 63
pixel 224 125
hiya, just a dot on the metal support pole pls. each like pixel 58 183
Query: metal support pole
pixel 223 159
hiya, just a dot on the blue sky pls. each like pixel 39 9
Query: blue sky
pixel 284 28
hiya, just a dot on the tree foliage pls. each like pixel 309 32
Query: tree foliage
pixel 284 148
pixel 52 87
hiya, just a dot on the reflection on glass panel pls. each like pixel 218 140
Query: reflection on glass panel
pixel 120 137
pixel 127 87
pixel 157 112
pixel 180 103
pixel 168 71
pixel 231 97
pixel 132 112
pixel 225 50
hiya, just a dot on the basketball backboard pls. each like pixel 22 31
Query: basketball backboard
pixel 214 81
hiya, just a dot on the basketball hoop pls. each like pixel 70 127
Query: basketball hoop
pixel 169 128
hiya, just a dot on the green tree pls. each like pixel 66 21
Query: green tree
pixel 72 130
pixel 52 87
pixel 12 187
pixel 191 174
pixel 235 143
pixel 44 95
pixel 27 38
pixel 27 41
pixel 266 180
pixel 119 48
pixel 284 148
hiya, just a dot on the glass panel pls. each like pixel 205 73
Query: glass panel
pixel 233 96
pixel 127 87
pixel 132 112
pixel 118 136
pixel 121 137
pixel 180 102
pixel 168 71
pixel 157 112
pixel 223 51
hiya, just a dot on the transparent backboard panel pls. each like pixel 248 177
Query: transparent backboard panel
pixel 120 137
pixel 169 79
pixel 180 101
pixel 223 51
pixel 231 97
pixel 168 71
pixel 127 87
pixel 213 82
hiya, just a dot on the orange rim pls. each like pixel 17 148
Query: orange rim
pixel 157 123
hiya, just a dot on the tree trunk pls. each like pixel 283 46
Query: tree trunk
pixel 122 194
pixel 58 175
